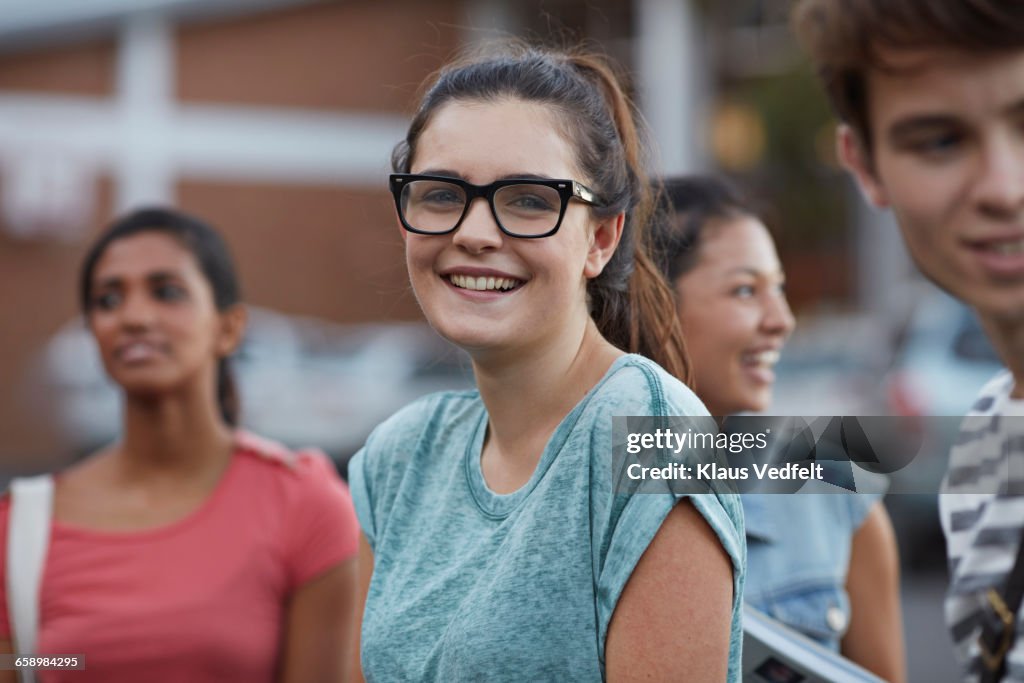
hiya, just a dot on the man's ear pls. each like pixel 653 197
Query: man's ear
pixel 232 329
pixel 603 243
pixel 855 158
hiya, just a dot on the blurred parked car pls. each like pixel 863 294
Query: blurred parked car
pixel 304 382
pixel 832 365
pixel 943 359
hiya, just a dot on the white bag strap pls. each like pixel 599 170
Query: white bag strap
pixel 28 536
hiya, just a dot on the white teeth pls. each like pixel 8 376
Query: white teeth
pixel 1007 248
pixel 137 351
pixel 765 358
pixel 482 284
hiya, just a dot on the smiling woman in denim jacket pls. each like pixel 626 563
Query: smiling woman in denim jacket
pixel 824 564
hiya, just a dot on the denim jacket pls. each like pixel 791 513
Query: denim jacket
pixel 798 554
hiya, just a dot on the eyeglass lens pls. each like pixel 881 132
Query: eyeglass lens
pixel 437 206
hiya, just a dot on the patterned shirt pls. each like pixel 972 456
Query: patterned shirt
pixel 982 511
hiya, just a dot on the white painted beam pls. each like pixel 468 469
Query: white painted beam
pixel 276 145
pixel 211 142
pixel 671 86
pixel 29 22
pixel 145 97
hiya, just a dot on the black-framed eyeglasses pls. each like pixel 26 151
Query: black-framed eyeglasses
pixel 522 207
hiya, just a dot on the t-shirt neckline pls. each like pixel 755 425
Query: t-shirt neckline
pixel 500 505
pixel 195 516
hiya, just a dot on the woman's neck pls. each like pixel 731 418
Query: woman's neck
pixel 174 436
pixel 529 394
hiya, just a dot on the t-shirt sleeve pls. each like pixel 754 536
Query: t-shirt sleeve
pixel 626 523
pixel 5 625
pixel 871 488
pixel 636 526
pixel 321 528
pixel 357 482
pixel 367 476
pixel 376 471
pixel 860 505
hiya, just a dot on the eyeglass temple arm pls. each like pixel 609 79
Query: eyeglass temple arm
pixel 583 192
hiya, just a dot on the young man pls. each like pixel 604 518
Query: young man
pixel 931 98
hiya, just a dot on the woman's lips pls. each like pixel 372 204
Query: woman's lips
pixel 760 365
pixel 482 281
pixel 138 352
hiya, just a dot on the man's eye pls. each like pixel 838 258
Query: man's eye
pixel 743 291
pixel 936 145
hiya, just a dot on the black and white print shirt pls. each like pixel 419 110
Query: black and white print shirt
pixel 982 510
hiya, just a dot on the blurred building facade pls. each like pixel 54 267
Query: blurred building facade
pixel 274 120
pixel 273 123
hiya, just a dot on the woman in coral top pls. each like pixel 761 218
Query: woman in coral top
pixel 187 551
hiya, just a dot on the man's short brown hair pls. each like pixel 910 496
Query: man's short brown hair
pixel 845 37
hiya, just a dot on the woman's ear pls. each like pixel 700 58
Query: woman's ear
pixel 603 242
pixel 232 329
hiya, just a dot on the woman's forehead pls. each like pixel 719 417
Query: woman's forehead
pixel 740 240
pixel 485 140
pixel 144 253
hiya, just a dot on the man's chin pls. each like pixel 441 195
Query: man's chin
pixel 1005 308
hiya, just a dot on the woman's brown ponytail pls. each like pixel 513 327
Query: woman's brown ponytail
pixel 646 322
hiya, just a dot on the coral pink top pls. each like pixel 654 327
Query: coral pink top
pixel 203 599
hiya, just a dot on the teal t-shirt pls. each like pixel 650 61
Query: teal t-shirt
pixel 470 585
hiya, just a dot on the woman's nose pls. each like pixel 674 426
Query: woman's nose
pixel 479 230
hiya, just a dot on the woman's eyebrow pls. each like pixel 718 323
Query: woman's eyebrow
pixel 107 282
pixel 755 272
pixel 163 276
pixel 744 270
pixel 154 277
pixel 525 176
pixel 446 172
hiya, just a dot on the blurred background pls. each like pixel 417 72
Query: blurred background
pixel 274 120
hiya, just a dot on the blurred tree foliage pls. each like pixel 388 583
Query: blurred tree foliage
pixel 797 174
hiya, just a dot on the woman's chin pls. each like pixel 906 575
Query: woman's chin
pixel 757 404
pixel 148 387
pixel 749 402
pixel 470 338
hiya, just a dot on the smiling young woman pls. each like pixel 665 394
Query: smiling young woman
pixel 495 545
pixel 835 576
pixel 189 550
